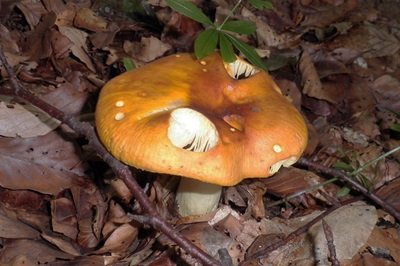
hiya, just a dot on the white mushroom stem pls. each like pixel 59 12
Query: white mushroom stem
pixel 196 198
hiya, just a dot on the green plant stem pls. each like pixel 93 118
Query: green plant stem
pixel 386 154
pixel 230 15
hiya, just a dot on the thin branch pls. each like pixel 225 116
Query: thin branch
pixel 121 170
pixel 331 244
pixel 353 183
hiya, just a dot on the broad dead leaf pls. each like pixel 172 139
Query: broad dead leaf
pixel 65 245
pixel 120 240
pixel 267 36
pixel 79 49
pixel 311 82
pixel 32 10
pixel 26 121
pixel 147 49
pixel 370 39
pixel 46 164
pixel 63 217
pixel 14 229
pixel 87 19
pixel 289 181
pixel 387 92
pixel 31 251
pixel 330 14
pixel 390 193
pixel 351 227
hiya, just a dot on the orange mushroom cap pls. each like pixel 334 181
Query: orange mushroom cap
pixel 143 117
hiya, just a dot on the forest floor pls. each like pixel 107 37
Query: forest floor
pixel 337 61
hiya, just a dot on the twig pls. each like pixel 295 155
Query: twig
pixel 121 170
pixel 303 229
pixel 354 184
pixel 330 242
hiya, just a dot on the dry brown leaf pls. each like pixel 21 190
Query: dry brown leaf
pixel 329 15
pixel 387 239
pixel 63 217
pixel 87 19
pixel 119 188
pixel 37 42
pixel 291 91
pixel 319 66
pixel 210 240
pixel 327 65
pixel 386 90
pixel 34 251
pixel 8 42
pixel 47 164
pixel 179 31
pixel 318 107
pixel 390 193
pixel 104 38
pixel 56 6
pixel 254 193
pixel 62 244
pixel 11 228
pixel 366 123
pixel 311 82
pixel 289 181
pixel 70 96
pixel 357 139
pixel 60 44
pixel 24 121
pixel 370 39
pixel 32 10
pixel 65 16
pixel 79 49
pixel 267 36
pixel 147 49
pixel 90 212
pixel 120 240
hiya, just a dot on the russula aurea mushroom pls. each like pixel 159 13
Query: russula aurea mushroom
pixel 212 122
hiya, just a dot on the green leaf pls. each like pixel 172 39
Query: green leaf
pixel 188 9
pixel 395 127
pixel 226 49
pixel 128 63
pixel 247 51
pixel 344 191
pixel 240 26
pixel 343 166
pixel 261 4
pixel 133 6
pixel 277 61
pixel 205 43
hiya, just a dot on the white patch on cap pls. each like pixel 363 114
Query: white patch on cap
pixel 119 116
pixel 119 103
pixel 202 62
pixel 191 130
pixel 240 69
pixel 285 163
pixel 277 148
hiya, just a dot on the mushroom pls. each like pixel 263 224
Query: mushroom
pixel 213 123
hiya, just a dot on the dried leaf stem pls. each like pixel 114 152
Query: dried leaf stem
pixel 121 170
